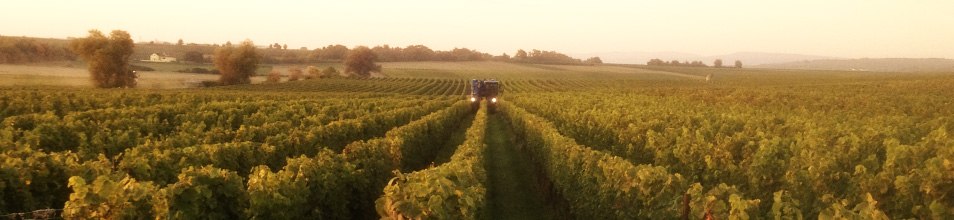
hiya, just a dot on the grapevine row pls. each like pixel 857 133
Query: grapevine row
pixel 454 190
pixel 597 185
pixel 327 185
pixel 161 164
pixel 813 159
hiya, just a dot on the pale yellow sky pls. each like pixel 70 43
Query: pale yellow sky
pixel 840 28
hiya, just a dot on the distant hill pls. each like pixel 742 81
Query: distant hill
pixel 759 58
pixel 747 58
pixel 638 57
pixel 875 65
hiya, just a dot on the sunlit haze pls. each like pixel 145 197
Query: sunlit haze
pixel 850 29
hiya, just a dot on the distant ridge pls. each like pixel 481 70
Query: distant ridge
pixel 747 58
pixel 869 64
pixel 759 58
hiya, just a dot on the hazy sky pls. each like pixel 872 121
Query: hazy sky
pixel 842 28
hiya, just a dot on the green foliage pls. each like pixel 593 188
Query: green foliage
pixel 110 197
pixel 376 159
pixel 31 180
pixel 865 209
pixel 721 200
pixel 454 190
pixel 813 146
pixel 206 193
pixel 784 207
pixel 853 140
pixel 309 188
pixel 598 185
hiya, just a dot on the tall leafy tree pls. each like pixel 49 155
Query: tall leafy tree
pixel 521 55
pixel 361 62
pixel 594 60
pixel 237 64
pixel 107 57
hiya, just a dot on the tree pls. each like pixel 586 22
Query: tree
pixel 738 64
pixel 717 63
pixel 108 58
pixel 655 62
pixel 274 76
pixel 23 49
pixel 329 72
pixel 331 52
pixel 418 53
pixel 360 62
pixel 285 47
pixel 294 74
pixel 388 53
pixel 313 72
pixel 236 64
pixel 194 56
pixel 502 57
pixel 521 55
pixel 180 43
pixel 594 60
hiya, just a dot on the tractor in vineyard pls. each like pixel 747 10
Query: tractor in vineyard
pixel 484 89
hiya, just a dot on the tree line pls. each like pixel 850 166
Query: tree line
pixel 387 53
pixel 108 58
pixel 549 57
pixel 717 63
pixel 25 50
pixel 28 50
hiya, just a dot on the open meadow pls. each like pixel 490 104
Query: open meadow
pixel 565 141
pixel 70 74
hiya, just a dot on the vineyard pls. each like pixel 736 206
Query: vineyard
pixel 613 142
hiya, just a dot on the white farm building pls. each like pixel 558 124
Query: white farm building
pixel 155 57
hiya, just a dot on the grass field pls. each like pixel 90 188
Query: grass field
pixel 73 75
pixel 565 142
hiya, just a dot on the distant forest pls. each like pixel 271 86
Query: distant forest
pixel 30 50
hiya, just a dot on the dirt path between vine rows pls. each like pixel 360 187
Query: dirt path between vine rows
pixel 511 190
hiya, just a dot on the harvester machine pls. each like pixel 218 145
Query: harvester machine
pixel 484 89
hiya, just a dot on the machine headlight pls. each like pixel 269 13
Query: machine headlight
pixel 493 100
pixel 472 99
